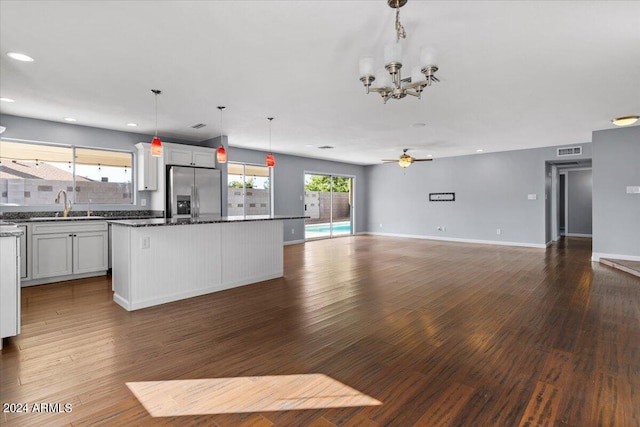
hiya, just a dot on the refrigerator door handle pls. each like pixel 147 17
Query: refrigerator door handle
pixel 197 201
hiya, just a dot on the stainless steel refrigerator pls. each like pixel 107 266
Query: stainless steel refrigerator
pixel 192 192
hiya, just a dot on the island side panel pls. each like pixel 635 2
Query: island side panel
pixel 251 252
pixel 170 263
pixel 121 265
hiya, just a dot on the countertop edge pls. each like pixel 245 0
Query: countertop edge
pixel 159 222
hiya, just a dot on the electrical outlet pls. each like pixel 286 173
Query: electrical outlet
pixel 143 202
pixel 145 242
pixel 380 225
pixel 293 231
pixel 498 231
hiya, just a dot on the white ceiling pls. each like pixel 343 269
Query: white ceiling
pixel 515 74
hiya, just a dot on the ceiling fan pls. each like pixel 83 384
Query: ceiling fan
pixel 406 160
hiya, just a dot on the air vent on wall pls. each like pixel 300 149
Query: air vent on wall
pixel 326 147
pixel 198 126
pixel 569 151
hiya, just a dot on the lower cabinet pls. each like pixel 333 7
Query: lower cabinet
pixel 68 249
pixel 9 287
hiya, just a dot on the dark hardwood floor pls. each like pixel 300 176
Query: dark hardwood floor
pixel 440 333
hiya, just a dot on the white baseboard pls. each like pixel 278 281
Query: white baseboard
pixel 292 242
pixel 595 256
pixel 578 235
pixel 137 305
pixel 458 240
pixel 44 281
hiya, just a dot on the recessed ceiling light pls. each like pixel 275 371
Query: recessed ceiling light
pixel 20 57
pixel 625 121
pixel 70 119
pixel 419 125
pixel 309 145
pixel 479 150
pixel 7 100
pixel 429 155
pixel 132 124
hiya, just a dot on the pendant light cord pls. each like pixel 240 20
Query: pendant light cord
pixel 221 108
pixel 270 119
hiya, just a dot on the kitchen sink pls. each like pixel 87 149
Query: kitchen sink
pixel 61 218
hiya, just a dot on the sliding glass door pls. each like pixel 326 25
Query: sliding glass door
pixel 329 205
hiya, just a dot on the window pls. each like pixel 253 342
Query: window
pixel 32 174
pixel 248 189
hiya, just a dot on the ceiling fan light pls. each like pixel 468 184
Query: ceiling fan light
pixel 625 121
pixel 405 161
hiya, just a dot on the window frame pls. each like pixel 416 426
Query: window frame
pixel 72 147
pixel 244 188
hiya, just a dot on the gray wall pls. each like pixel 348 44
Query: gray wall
pixel 616 214
pixel 491 193
pixel 288 173
pixel 288 177
pixel 579 201
pixel 63 133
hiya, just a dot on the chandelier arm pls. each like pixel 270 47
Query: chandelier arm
pixel 416 85
pixel 412 93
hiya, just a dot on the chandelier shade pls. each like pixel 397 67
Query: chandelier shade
pixel 389 82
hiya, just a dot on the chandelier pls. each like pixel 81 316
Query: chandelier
pixel 391 84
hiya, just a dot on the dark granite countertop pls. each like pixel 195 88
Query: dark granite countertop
pixel 37 217
pixel 8 229
pixel 209 219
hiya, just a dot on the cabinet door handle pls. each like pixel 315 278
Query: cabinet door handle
pixel 70 235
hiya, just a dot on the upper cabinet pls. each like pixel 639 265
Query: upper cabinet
pixel 147 168
pixel 186 155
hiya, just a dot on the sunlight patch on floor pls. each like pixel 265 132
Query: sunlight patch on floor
pixel 246 394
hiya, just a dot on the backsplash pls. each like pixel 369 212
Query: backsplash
pixel 7 216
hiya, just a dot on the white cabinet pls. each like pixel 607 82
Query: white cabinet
pixel 147 166
pixel 24 258
pixel 185 155
pixel 9 287
pixel 52 255
pixel 90 252
pixel 69 249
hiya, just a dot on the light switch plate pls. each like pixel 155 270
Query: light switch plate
pixel 633 190
pixel 532 196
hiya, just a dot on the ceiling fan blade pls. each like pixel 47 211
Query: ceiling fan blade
pixel 422 160
pixel 390 161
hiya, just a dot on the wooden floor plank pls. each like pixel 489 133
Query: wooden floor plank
pixel 440 333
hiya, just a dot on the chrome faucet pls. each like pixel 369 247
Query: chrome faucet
pixel 67 203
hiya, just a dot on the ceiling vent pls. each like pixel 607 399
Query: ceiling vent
pixel 326 147
pixel 198 126
pixel 569 151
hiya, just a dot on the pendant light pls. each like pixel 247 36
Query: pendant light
pixel 221 154
pixel 271 161
pixel 156 144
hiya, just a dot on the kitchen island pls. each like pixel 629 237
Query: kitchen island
pixel 156 261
